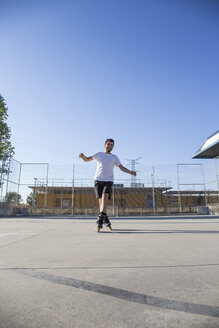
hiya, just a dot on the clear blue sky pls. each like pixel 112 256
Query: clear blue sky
pixel 145 73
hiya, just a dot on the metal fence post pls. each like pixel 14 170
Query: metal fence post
pixel 9 167
pixel 47 178
pixel 19 179
pixel 2 174
pixel 61 199
pixel 113 201
pixel 153 191
pixel 73 190
pixel 145 199
pixel 118 204
pixel 203 173
pixel 179 195
pixel 217 178
pixel 6 191
pixel 34 193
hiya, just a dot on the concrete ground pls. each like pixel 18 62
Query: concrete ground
pixel 148 272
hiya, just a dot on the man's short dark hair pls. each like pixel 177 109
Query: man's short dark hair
pixel 109 140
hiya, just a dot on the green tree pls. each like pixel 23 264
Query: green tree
pixel 6 149
pixel 29 199
pixel 12 198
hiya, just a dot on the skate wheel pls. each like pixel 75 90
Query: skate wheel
pixel 109 227
pixel 97 229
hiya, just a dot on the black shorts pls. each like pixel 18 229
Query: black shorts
pixel 103 187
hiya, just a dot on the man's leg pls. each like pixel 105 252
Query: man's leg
pixel 103 194
pixel 99 192
pixel 100 202
pixel 104 202
pixel 103 209
pixel 102 217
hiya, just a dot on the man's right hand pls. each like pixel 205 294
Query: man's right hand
pixel 85 158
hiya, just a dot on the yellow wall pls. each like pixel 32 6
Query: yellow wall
pixel 128 198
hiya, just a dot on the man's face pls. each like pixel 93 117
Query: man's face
pixel 109 146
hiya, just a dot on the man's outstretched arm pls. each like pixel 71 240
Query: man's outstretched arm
pixel 86 159
pixel 124 169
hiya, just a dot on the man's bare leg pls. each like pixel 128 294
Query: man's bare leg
pixel 100 202
pixel 103 202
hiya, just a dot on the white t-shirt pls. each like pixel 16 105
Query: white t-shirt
pixel 105 165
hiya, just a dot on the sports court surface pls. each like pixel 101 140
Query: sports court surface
pixel 147 272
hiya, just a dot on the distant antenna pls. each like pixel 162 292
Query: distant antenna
pixel 133 162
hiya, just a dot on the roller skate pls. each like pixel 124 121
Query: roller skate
pixel 99 222
pixel 107 222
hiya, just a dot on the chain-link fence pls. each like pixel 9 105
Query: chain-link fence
pixel 47 189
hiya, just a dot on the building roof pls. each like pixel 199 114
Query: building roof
pixel 210 148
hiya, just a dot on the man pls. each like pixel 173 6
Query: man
pixel 103 180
